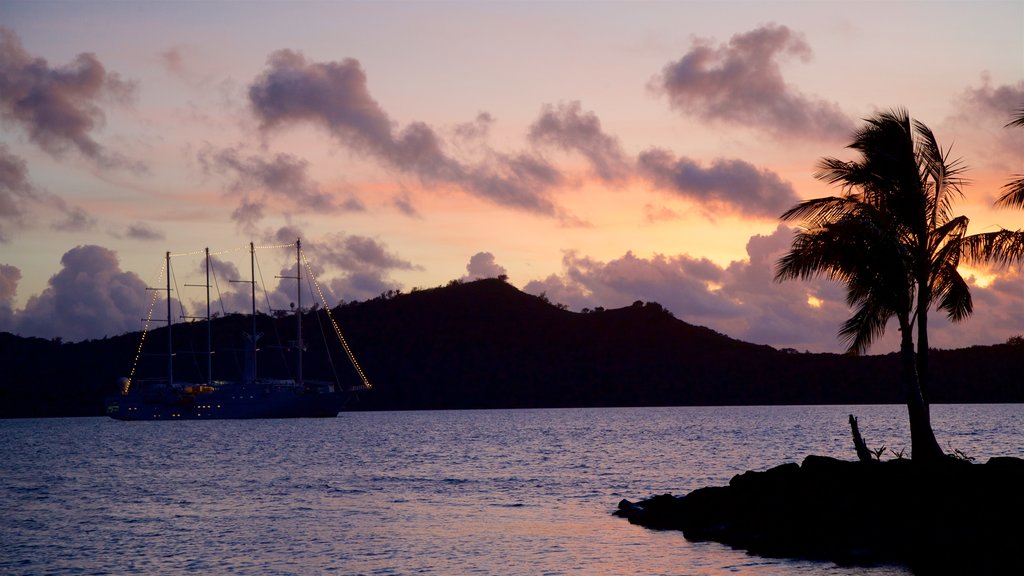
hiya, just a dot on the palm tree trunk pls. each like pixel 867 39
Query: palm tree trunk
pixel 923 298
pixel 923 446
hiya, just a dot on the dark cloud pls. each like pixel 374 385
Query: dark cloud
pixel 348 267
pixel 476 130
pixel 248 213
pixel 999 101
pixel 15 190
pixel 735 185
pixel 512 179
pixel 361 286
pixel 18 194
pixel 352 204
pixel 59 108
pixel 89 298
pixel 335 97
pixel 741 82
pixel 404 204
pixel 143 231
pixel 483 265
pixel 9 278
pixel 993 107
pixel 75 219
pixel 282 176
pixel 568 127
pixel 358 253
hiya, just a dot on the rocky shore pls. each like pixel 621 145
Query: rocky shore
pixel 950 517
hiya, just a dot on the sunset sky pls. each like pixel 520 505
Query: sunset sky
pixel 598 152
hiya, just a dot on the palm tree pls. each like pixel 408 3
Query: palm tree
pixel 892 240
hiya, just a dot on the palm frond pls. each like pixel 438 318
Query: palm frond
pixel 954 295
pixel 865 326
pixel 1013 195
pixel 1002 247
pixel 1018 120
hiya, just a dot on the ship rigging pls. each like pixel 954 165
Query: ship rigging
pixel 251 396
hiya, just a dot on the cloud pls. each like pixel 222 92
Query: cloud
pixel 740 299
pixel 568 127
pixel 999 101
pixel 735 185
pixel 15 190
pixel 75 219
pixel 477 130
pixel 18 194
pixel 283 176
pixel 349 267
pixel 361 286
pixel 741 82
pixel 653 213
pixel 59 108
pixel 483 265
pixel 681 283
pixel 248 213
pixel 743 301
pixel 335 97
pixel 9 278
pixel 993 107
pixel 357 254
pixel 143 231
pixel 404 205
pixel 89 297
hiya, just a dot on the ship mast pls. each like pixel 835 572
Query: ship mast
pixel 170 348
pixel 209 328
pixel 298 306
pixel 252 282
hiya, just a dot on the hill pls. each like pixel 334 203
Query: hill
pixel 485 344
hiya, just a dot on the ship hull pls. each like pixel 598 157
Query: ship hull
pixel 228 403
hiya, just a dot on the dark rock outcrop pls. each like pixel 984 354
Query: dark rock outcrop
pixel 948 518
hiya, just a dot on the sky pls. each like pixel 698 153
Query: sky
pixel 597 153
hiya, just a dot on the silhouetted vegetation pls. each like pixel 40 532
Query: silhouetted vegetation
pixel 485 344
pixel 892 240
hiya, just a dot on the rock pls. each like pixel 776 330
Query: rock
pixel 944 517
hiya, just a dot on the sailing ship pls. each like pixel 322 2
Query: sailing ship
pixel 253 396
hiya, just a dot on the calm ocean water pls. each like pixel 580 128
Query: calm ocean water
pixel 468 492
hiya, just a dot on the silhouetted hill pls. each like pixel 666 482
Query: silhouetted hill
pixel 485 344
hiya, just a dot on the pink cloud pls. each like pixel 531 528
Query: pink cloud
pixel 735 185
pixel 740 300
pixel 483 265
pixel 282 176
pixel 335 97
pixel 742 83
pixel 570 128
pixel 743 301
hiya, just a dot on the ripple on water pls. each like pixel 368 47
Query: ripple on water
pixel 476 492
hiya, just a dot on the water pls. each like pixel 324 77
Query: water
pixel 471 492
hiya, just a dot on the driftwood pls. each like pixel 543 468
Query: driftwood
pixel 863 453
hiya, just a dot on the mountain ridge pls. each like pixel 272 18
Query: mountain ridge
pixel 486 344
